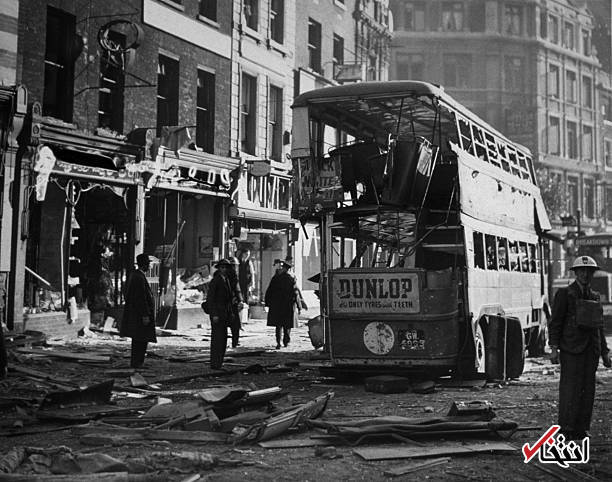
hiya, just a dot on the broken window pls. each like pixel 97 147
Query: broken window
pixel 314 45
pixel 502 253
pixel 277 20
pixel 491 246
pixel 248 102
pixel 112 81
pixel 167 92
pixel 513 256
pixel 205 111
pixel 60 46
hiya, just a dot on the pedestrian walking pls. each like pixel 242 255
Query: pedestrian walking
pixel 577 340
pixel 284 303
pixel 246 274
pixel 219 305
pixel 237 301
pixel 138 321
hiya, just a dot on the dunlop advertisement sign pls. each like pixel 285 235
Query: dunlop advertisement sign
pixel 375 292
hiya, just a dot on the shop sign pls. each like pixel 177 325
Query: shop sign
pixel 375 293
pixel 68 168
pixel 259 168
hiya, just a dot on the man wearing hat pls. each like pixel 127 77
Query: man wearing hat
pixel 219 299
pixel 284 302
pixel 577 340
pixel 138 321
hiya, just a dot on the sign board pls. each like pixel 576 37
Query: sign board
pixel 349 72
pixel 374 292
pixel 259 168
pixel 597 240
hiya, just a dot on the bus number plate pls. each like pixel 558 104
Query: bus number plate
pixel 411 339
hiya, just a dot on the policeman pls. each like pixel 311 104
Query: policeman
pixel 577 339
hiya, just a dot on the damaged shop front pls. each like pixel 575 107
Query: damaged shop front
pixel 261 220
pixel 78 227
pixel 185 211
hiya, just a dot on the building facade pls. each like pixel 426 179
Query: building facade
pixel 530 69
pixel 126 150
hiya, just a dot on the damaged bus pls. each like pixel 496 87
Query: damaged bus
pixel 431 224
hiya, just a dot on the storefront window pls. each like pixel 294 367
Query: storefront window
pixel 78 247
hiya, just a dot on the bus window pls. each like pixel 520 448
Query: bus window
pixel 503 155
pixel 491 245
pixel 479 257
pixel 479 144
pixel 502 253
pixel 466 135
pixel 492 149
pixel 523 257
pixel 513 256
pixel 531 171
pixel 533 258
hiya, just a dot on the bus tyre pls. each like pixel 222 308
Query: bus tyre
pixel 480 348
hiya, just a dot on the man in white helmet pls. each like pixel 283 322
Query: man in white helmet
pixel 577 340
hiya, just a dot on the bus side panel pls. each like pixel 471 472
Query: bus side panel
pixel 380 341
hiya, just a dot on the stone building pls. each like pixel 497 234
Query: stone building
pixel 530 69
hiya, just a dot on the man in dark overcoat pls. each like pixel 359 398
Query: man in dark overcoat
pixel 138 321
pixel 219 299
pixel 283 301
pixel 577 340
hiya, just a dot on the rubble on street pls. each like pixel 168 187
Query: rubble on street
pixel 73 410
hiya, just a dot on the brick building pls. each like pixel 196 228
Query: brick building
pixel 530 69
pixel 128 150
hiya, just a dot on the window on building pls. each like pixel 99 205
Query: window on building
pixel 553 80
pixel 277 20
pixel 410 66
pixel 572 140
pixel 609 203
pixel 543 24
pixel 554 136
pixel 608 153
pixel 314 45
pixel 414 16
pixel 587 143
pixel 586 43
pixel 553 29
pixel 457 69
pixel 59 64
pixel 275 123
pixel 513 74
pixel 572 194
pixel 568 35
pixel 205 111
pixel 570 86
pixel 338 52
pixel 587 92
pixel 208 9
pixel 452 16
pixel 513 20
pixel 589 199
pixel 476 16
pixel 167 92
pixel 251 13
pixel 248 103
pixel 112 82
pixel 607 107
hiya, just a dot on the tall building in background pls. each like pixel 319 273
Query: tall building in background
pixel 337 42
pixel 529 68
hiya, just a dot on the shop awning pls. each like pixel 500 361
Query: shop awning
pixel 542 221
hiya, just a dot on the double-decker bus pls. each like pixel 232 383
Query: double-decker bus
pixel 431 224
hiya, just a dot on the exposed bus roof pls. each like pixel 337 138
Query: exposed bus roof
pixel 347 97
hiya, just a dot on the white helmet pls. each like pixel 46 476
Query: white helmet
pixel 584 262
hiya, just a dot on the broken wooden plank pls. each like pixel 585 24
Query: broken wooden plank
pixel 101 477
pixel 407 469
pixel 137 380
pixel 388 453
pixel 12 460
pixel 295 443
pixel 150 434
pixel 67 355
pixel 40 374
pixel 98 393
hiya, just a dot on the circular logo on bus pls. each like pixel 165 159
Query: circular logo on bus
pixel 378 338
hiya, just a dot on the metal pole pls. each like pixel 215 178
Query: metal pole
pixel 578 221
